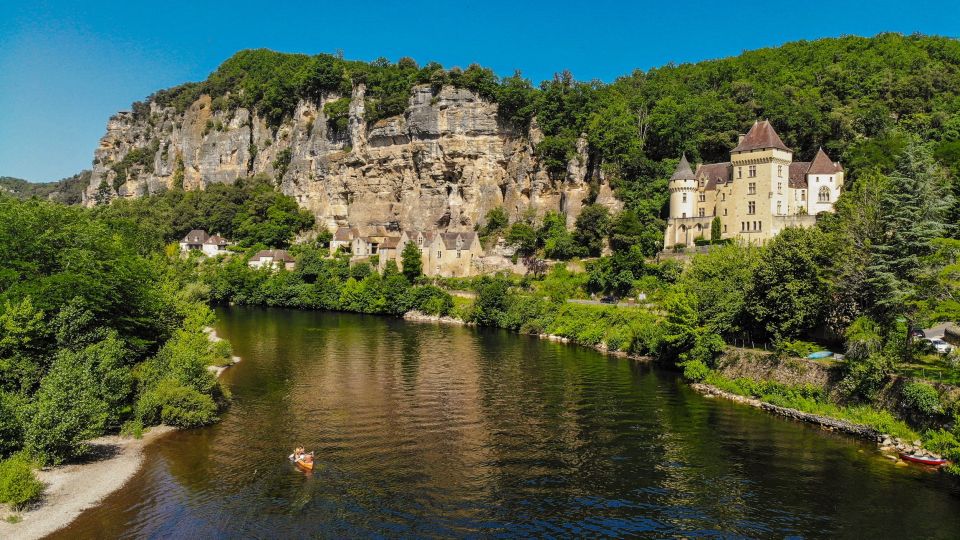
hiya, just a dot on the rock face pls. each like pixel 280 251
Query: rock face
pixel 442 164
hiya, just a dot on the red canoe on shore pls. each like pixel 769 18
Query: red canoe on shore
pixel 924 460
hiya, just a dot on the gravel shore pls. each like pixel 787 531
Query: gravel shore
pixel 73 488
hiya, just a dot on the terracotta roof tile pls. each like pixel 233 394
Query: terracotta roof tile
pixel 823 165
pixel 714 173
pixel 798 174
pixel 761 135
pixel 196 236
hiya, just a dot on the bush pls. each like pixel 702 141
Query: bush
pixel 797 348
pixel 11 424
pixel 433 300
pixel 922 398
pixel 18 483
pixel 66 412
pixel 176 405
pixel 695 370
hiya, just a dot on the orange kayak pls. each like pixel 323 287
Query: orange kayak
pixel 305 461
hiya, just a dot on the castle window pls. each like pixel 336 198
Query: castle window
pixel 739 172
pixel 752 188
pixel 803 194
pixel 701 212
pixel 751 208
pixel 824 194
pixel 458 253
pixel 724 211
pixel 779 188
pixel 703 197
pixel 724 228
pixel 752 171
pixel 439 254
pixel 759 225
pixel 779 211
pixel 723 196
pixel 684 214
pixel 780 171
pixel 684 197
pixel 743 225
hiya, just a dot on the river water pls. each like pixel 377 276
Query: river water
pixel 425 430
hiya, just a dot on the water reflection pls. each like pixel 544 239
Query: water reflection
pixel 423 430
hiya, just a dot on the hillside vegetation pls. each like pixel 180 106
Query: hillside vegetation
pixel 67 190
pixel 862 99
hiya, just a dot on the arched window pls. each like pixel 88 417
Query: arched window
pixel 824 194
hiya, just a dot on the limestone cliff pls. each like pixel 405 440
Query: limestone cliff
pixel 443 163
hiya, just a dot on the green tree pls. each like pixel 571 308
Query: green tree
pixel 715 230
pixel 788 293
pixel 412 261
pixel 591 227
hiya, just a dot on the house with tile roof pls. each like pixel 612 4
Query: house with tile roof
pixel 199 240
pixel 272 258
pixel 755 195
pixel 446 254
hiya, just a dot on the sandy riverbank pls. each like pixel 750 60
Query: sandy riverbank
pixel 71 489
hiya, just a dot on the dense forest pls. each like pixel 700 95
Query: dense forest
pixel 67 190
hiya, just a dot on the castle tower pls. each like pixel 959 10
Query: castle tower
pixel 683 186
pixel 760 167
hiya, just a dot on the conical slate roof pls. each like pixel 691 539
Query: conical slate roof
pixel 683 172
pixel 822 164
pixel 761 135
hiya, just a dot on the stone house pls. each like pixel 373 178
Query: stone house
pixel 343 237
pixel 755 195
pixel 272 258
pixel 388 250
pixel 199 240
pixel 451 254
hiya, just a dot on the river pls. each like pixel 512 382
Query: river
pixel 438 431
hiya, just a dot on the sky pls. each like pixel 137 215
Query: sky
pixel 65 67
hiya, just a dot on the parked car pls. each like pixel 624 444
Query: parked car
pixel 941 346
pixel 917 333
pixel 608 300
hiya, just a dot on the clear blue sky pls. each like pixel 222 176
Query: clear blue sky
pixel 65 67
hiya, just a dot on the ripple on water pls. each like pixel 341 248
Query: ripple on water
pixel 435 431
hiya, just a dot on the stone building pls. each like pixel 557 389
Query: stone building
pixel 199 240
pixel 273 258
pixel 446 254
pixel 755 195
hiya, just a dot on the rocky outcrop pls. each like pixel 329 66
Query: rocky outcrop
pixel 442 164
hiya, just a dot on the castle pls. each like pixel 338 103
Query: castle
pixel 755 195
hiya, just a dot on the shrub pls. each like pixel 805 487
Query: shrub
pixel 433 300
pixel 66 412
pixel 695 370
pixel 797 348
pixel 176 405
pixel 11 424
pixel 922 398
pixel 18 483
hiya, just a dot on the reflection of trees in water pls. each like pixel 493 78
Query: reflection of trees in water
pixel 425 427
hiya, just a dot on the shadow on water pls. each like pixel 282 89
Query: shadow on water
pixel 426 430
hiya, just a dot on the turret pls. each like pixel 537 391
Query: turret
pixel 683 186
